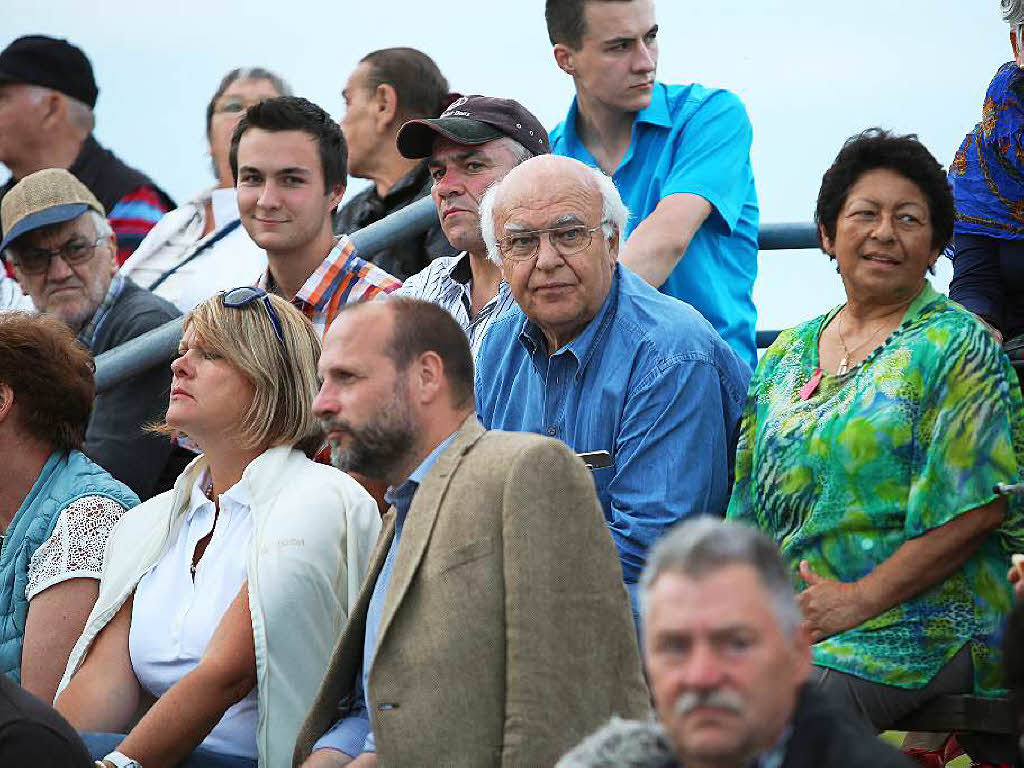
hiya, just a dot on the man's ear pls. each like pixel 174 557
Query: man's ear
pixel 614 241
pixel 428 377
pixel 386 100
pixel 55 108
pixel 336 193
pixel 565 58
pixel 1015 44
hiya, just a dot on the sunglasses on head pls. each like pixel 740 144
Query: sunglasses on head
pixel 239 297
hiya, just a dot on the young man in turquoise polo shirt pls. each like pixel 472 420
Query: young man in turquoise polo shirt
pixel 679 155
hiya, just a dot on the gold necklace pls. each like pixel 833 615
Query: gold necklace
pixel 844 364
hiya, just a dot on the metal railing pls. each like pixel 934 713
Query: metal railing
pixel 160 344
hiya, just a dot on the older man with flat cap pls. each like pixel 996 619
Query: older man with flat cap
pixel 47 97
pixel 63 253
pixel 471 146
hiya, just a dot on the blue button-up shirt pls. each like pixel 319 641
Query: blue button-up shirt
pixel 696 140
pixel 353 733
pixel 648 380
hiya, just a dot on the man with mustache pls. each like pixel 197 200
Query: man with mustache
pixel 492 628
pixel 471 146
pixel 679 154
pixel 64 254
pixel 728 660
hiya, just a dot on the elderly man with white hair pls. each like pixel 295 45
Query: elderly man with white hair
pixel 596 357
pixel 729 665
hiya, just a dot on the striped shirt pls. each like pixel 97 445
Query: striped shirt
pixel 132 217
pixel 342 278
pixel 448 282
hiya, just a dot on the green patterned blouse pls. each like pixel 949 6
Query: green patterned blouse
pixel 911 438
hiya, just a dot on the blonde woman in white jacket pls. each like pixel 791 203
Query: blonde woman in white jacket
pixel 220 600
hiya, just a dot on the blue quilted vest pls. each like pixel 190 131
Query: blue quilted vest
pixel 65 478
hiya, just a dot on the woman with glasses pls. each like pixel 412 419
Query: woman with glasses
pixel 200 248
pixel 221 600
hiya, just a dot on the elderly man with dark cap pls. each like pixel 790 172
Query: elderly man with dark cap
pixel 471 146
pixel 47 97
pixel 62 249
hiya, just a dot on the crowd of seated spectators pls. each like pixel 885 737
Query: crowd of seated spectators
pixel 515 490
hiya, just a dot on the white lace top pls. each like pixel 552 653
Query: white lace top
pixel 75 548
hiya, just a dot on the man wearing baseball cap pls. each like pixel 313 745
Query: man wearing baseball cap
pixel 62 250
pixel 471 146
pixel 47 97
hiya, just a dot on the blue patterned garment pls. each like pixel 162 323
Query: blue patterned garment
pixel 987 175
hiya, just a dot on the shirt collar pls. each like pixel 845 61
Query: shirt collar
pixel 583 346
pixel 460 269
pixel 775 756
pixel 656 111
pixel 316 292
pixel 401 497
pixel 236 494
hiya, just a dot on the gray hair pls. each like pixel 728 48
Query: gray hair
pixel 80 114
pixel 623 744
pixel 100 224
pixel 1013 12
pixel 697 548
pixel 614 213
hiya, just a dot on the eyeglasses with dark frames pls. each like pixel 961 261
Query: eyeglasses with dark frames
pixel 246 294
pixel 568 240
pixel 36 261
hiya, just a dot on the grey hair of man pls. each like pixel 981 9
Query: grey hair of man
pixel 623 744
pixel 80 114
pixel 614 213
pixel 1013 12
pixel 700 547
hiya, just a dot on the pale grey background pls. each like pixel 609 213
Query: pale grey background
pixel 811 73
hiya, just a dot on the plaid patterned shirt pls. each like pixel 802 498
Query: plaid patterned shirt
pixel 342 278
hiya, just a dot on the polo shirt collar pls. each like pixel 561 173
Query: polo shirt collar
pixel 656 112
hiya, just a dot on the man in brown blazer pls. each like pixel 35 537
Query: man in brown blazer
pixel 493 628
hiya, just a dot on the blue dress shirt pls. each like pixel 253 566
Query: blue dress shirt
pixel 650 381
pixel 353 734
pixel 696 140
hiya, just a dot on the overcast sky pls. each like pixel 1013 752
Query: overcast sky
pixel 811 72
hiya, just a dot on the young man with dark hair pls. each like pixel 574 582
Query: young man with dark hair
pixel 288 159
pixel 679 155
pixel 389 87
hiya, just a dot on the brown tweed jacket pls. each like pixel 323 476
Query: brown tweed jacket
pixel 506 635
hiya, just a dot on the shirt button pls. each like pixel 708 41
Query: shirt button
pixel 552 431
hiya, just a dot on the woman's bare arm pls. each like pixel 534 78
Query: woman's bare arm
pixel 104 694
pixel 56 618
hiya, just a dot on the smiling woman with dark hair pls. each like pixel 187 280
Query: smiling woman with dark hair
pixel 871 441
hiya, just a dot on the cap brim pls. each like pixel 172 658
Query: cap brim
pixel 416 138
pixel 57 214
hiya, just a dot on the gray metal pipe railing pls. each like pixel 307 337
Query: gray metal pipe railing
pixel 160 344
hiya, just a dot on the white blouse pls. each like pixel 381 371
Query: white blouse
pixel 174 617
pixel 75 548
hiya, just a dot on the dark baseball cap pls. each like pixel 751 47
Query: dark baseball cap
pixel 475 120
pixel 51 63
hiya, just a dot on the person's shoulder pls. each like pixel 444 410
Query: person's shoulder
pixel 142 307
pixel 662 322
pixel 502 339
pixel 418 286
pixel 945 325
pixel 504 449
pixel 31 730
pixel 686 101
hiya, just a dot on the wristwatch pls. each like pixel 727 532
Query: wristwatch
pixel 120 760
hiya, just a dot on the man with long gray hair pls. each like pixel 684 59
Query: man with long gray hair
pixel 728 662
